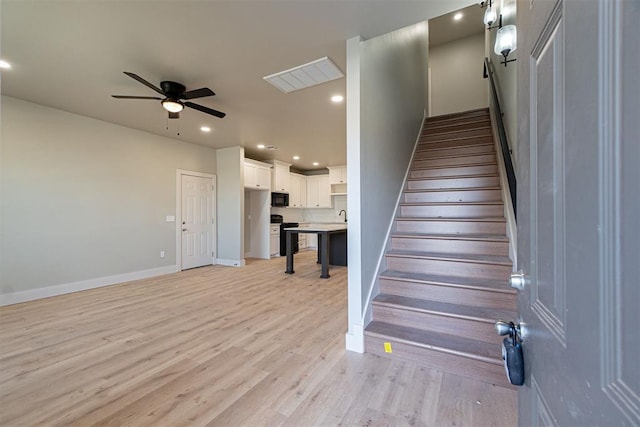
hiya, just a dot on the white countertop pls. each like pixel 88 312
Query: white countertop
pixel 315 228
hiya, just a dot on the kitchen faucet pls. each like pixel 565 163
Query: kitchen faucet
pixel 345 214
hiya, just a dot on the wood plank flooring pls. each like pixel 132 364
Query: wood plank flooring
pixel 219 346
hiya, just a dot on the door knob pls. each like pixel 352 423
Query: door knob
pixel 517 280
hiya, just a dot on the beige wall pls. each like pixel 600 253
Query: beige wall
pixel 386 100
pixel 456 76
pixel 84 199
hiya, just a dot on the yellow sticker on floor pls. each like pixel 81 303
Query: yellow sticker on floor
pixel 387 347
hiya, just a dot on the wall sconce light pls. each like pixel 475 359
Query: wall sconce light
pixel 490 15
pixel 506 42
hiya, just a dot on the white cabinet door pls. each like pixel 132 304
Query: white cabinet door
pixel 294 193
pixel 318 191
pixel 280 178
pixel 298 191
pixel 263 178
pixel 338 175
pixel 249 175
pixel 256 176
pixel 274 247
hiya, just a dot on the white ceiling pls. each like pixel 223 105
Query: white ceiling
pixel 70 55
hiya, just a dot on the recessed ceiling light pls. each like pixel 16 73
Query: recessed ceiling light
pixel 457 16
pixel 4 64
pixel 205 129
pixel 261 146
pixel 296 157
pixel 316 163
pixel 337 98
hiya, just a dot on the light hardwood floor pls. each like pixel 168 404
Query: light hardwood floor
pixel 219 346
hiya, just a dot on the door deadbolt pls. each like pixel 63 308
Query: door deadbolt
pixel 517 280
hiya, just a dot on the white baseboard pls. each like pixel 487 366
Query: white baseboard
pixel 354 339
pixel 83 285
pixel 231 262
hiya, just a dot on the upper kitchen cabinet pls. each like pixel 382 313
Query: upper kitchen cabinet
pixel 280 177
pixel 257 175
pixel 337 174
pixel 338 180
pixel 297 191
pixel 318 191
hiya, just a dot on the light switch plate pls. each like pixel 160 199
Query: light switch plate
pixel 171 218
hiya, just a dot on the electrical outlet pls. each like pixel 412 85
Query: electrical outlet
pixel 161 254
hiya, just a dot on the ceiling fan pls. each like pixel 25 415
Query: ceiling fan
pixel 174 96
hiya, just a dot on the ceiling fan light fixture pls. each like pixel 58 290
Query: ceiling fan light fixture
pixel 172 106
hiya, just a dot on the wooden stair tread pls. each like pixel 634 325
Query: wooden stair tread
pixel 490 202
pixel 478 237
pixel 450 129
pixel 469 120
pixel 480 314
pixel 451 344
pixel 484 219
pixel 460 114
pixel 453 177
pixel 476 258
pixel 456 156
pixel 431 149
pixel 453 281
pixel 446 190
pixel 413 169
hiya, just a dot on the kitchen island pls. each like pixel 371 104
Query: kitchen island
pixel 331 238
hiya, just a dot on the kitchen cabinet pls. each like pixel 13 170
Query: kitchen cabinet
pixel 280 180
pixel 274 242
pixel 302 241
pixel 257 175
pixel 337 174
pixel 318 191
pixel 297 191
pixel 338 180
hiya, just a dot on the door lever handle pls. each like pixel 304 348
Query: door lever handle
pixel 184 229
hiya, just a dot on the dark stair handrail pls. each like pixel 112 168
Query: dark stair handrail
pixel 502 134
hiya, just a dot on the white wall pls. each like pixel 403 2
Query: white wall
pixel 386 100
pixel 457 83
pixel 230 206
pixel 84 200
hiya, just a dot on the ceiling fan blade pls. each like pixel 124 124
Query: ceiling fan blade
pixel 198 93
pixel 174 115
pixel 136 97
pixel 144 82
pixel 205 109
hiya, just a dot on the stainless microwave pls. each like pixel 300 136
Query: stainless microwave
pixel 279 200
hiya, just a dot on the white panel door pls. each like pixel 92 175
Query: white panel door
pixel 578 211
pixel 197 221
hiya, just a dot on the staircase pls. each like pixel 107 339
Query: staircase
pixel 447 265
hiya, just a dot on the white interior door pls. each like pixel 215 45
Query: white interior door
pixel 197 221
pixel 578 211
